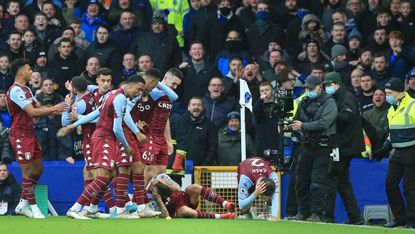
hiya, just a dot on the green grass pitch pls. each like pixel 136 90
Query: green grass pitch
pixel 61 225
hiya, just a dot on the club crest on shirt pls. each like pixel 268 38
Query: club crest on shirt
pixel 27 155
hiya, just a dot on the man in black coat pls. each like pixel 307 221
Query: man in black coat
pixel 350 143
pixel 200 133
pixel 160 44
pixel 65 65
pixel 9 190
pixel 196 74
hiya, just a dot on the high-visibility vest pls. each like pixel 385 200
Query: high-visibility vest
pixel 177 9
pixel 402 123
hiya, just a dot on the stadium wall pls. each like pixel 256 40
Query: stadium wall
pixel 66 183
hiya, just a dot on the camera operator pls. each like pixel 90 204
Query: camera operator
pixel 315 121
pixel 350 142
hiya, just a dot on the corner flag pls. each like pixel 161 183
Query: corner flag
pixel 245 98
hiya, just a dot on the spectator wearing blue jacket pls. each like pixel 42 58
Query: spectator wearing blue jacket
pixel 91 20
pixel 401 59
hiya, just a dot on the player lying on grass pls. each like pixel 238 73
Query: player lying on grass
pixel 183 204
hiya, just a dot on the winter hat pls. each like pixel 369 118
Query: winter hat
pixel 337 50
pixel 233 115
pixel 312 81
pixel 354 34
pixel 159 17
pixel 332 77
pixel 395 84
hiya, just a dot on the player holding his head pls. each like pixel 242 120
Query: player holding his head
pixel 108 130
pixel 255 173
pixel 23 109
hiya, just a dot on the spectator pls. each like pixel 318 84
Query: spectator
pixel 378 41
pixel 91 20
pixel 54 15
pixel 46 127
pixel 90 73
pixel 21 23
pixel 13 8
pixel 137 14
pixel 311 56
pixel 33 8
pixel 35 82
pixel 41 64
pixel 68 10
pixel 31 46
pixel 196 74
pixel 380 71
pixel 161 45
pixel 410 83
pixel 216 104
pixel 64 65
pixel 271 75
pixel 145 62
pixel 195 6
pixel 9 190
pixel 106 51
pixel 46 34
pixel 5 117
pixel 177 9
pixel 407 22
pixel 234 48
pixel 292 34
pixel 68 33
pixel 6 79
pixel 229 142
pixel 129 66
pixel 285 13
pixel 340 15
pixel 248 14
pixel 355 6
pixel 338 37
pixel 377 117
pixel 79 39
pixel 365 60
pixel 270 56
pixel 354 41
pixel 401 59
pixel 366 19
pixel 311 30
pixel 125 31
pixel 260 33
pixel 355 81
pixel 367 88
pixel 253 78
pixel 383 19
pixel 211 26
pixel 236 70
pixel 14 49
pixel 328 8
pixel 339 63
pixel 201 134
pixel 394 7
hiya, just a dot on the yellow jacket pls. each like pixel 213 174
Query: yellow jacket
pixel 402 123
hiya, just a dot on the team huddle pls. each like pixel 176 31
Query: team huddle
pixel 126 138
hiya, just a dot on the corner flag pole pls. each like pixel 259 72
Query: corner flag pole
pixel 243 133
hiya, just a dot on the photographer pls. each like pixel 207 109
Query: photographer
pixel 315 121
pixel 350 143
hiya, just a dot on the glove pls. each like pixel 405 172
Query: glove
pixel 178 161
pixel 383 152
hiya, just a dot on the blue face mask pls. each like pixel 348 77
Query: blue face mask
pixel 312 94
pixel 391 100
pixel 262 15
pixel 330 90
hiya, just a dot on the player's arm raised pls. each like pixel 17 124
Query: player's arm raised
pixel 130 122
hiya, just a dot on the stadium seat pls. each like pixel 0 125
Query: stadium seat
pixel 373 214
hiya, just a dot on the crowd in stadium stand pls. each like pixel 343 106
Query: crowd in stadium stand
pixel 214 43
